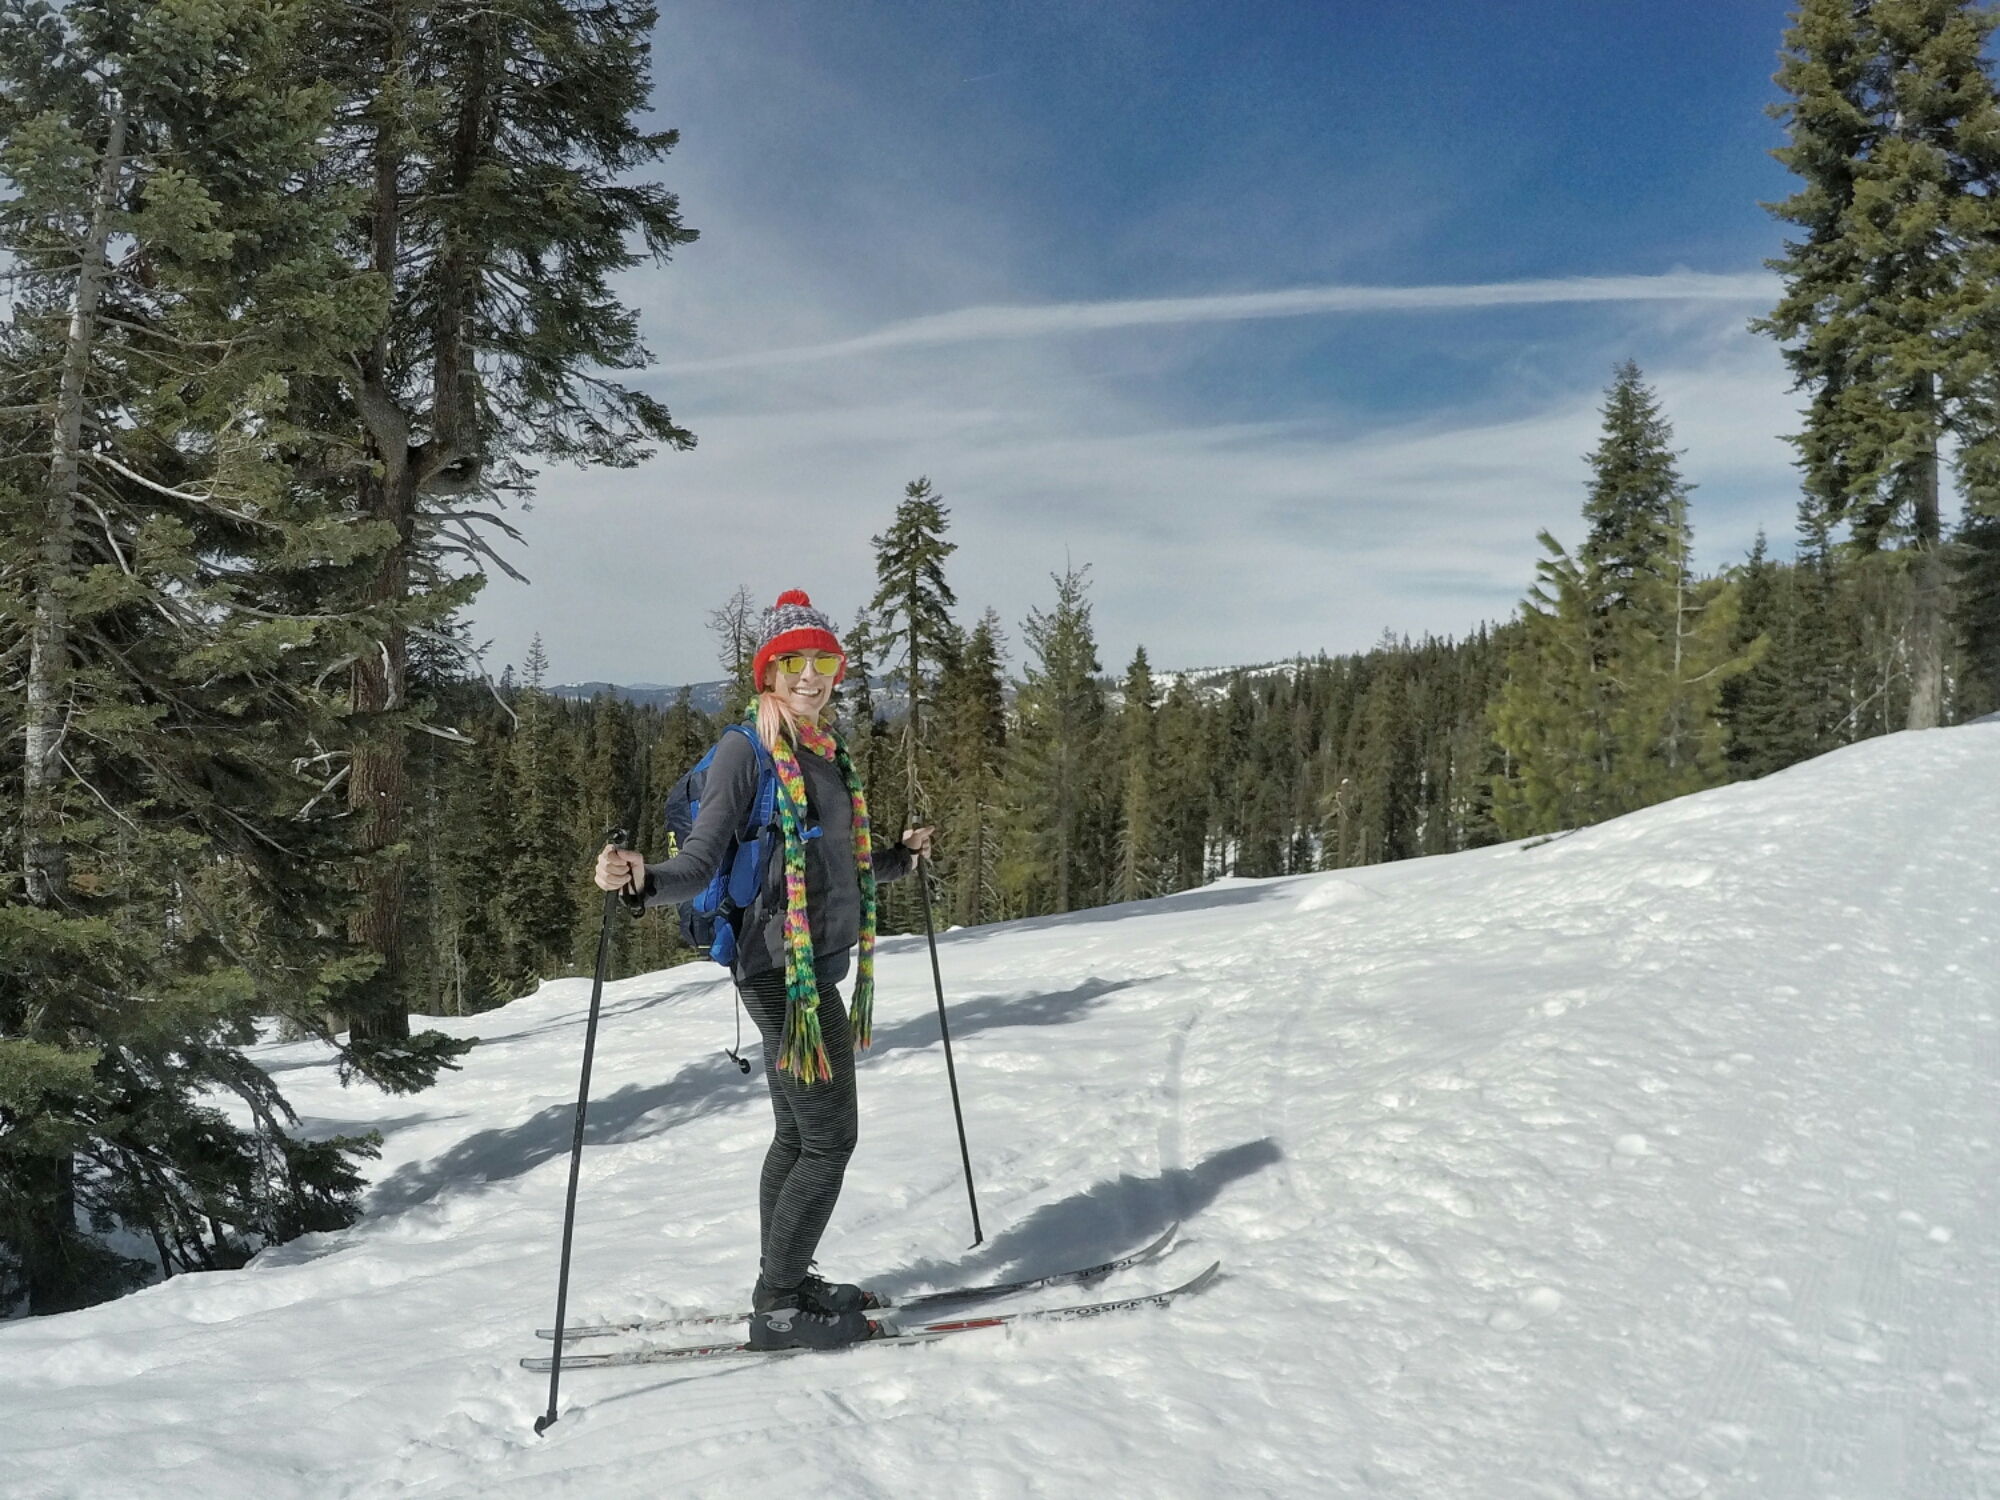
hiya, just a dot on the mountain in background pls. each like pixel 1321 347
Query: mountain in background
pixel 706 696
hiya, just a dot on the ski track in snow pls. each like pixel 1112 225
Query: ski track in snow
pixel 1654 1160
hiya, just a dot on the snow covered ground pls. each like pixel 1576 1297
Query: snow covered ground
pixel 1656 1159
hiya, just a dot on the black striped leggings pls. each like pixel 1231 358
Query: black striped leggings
pixel 817 1127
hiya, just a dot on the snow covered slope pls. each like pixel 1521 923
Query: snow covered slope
pixel 1656 1159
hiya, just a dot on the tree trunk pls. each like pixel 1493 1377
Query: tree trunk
pixel 1062 829
pixel 375 781
pixel 375 784
pixel 52 1284
pixel 447 462
pixel 1927 614
pixel 48 649
pixel 972 906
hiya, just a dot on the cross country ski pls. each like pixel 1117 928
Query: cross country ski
pixel 1080 1277
pixel 884 1331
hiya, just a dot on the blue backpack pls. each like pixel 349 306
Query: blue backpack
pixel 712 921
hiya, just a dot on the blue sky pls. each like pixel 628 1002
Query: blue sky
pixel 1290 320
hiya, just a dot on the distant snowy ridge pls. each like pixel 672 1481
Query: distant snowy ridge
pixel 708 697
pixel 1655 1159
pixel 712 697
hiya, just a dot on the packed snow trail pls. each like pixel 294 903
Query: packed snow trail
pixel 1657 1159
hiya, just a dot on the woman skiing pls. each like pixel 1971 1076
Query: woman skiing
pixel 817 904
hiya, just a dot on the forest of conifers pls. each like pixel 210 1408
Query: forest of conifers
pixel 299 296
pixel 1057 787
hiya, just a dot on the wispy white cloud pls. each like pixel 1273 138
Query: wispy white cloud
pixel 1210 541
pixel 1243 479
pixel 983 324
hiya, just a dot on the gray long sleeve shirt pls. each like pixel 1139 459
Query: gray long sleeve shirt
pixel 833 883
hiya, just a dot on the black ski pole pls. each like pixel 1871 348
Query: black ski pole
pixel 944 1030
pixel 616 839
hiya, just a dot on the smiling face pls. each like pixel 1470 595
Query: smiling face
pixel 807 691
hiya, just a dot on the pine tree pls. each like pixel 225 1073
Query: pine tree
pixel 684 735
pixel 495 152
pixel 972 705
pixel 1756 707
pixel 1231 778
pixel 912 613
pixel 1138 874
pixel 610 791
pixel 1058 751
pixel 166 592
pixel 1667 718
pixel 1636 491
pixel 1386 765
pixel 1182 795
pixel 1889 297
pixel 1977 612
pixel 1612 697
pixel 538 889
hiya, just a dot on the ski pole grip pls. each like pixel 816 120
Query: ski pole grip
pixel 614 838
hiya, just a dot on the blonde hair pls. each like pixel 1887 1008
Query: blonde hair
pixel 774 719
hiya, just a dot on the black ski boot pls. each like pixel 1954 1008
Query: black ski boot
pixel 790 1320
pixel 837 1296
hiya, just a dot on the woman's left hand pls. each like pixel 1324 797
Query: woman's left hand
pixel 918 841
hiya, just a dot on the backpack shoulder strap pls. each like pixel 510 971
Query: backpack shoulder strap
pixel 763 811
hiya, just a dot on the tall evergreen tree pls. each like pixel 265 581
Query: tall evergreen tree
pixel 495 149
pixel 855 706
pixel 1612 697
pixel 1385 762
pixel 1226 760
pixel 1891 296
pixel 1138 873
pixel 1183 795
pixel 1058 751
pixel 1636 492
pixel 912 612
pixel 684 734
pixel 1765 731
pixel 611 791
pixel 972 706
pixel 1977 616
pixel 165 590
pixel 538 892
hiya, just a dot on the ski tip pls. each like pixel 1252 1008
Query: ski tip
pixel 1200 1283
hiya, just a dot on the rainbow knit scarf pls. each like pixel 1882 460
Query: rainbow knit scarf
pixel 801 1052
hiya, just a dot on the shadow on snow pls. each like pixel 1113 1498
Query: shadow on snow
pixel 1202 898
pixel 640 1112
pixel 1100 1223
pixel 1096 1225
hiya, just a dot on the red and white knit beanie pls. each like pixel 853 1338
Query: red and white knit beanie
pixel 792 624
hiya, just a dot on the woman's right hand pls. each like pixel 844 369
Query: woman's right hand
pixel 620 870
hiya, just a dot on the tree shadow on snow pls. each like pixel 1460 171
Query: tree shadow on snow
pixel 615 1009
pixel 641 1111
pixel 1200 899
pixel 1098 1224
pixel 1056 1008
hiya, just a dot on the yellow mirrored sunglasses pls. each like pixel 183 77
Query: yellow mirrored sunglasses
pixel 794 662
